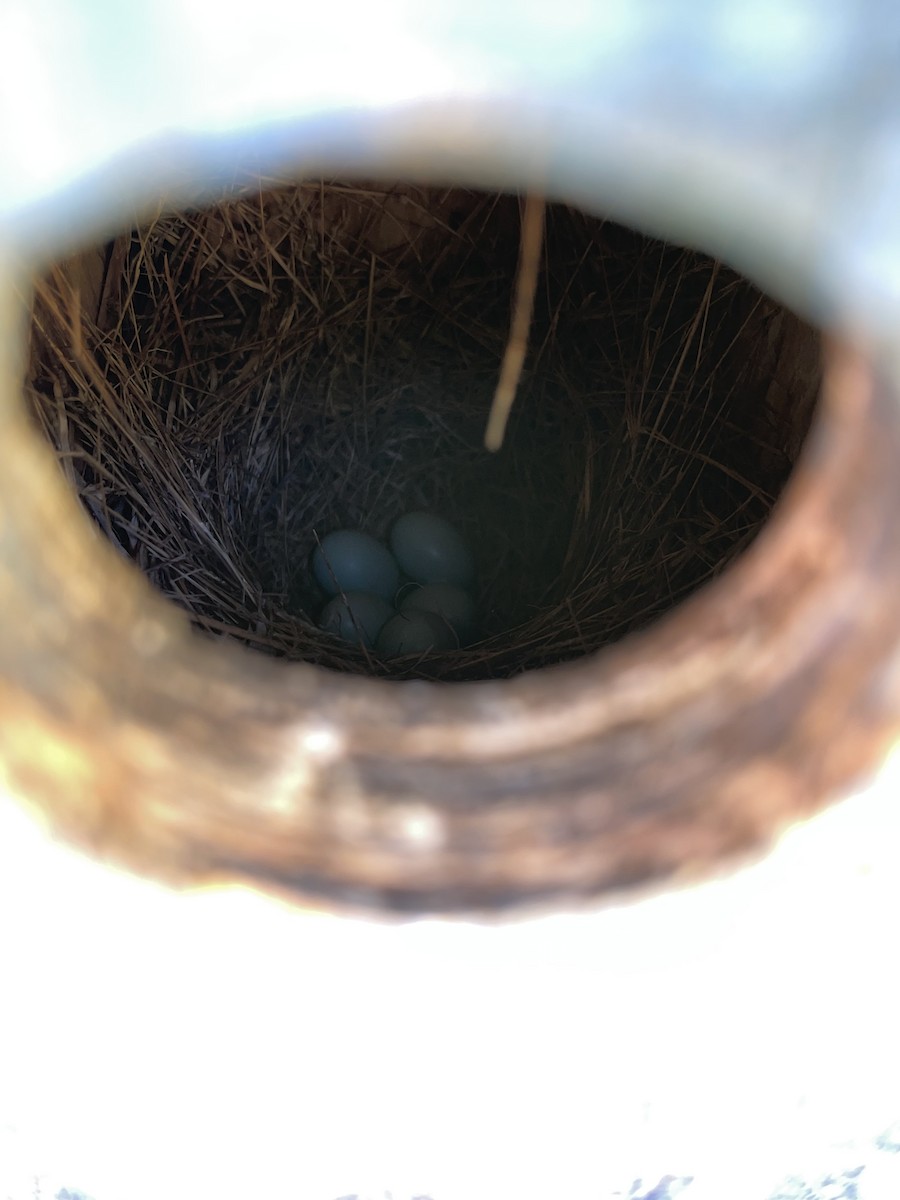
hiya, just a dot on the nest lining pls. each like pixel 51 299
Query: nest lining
pixel 248 377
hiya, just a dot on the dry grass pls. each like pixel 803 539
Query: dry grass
pixel 297 359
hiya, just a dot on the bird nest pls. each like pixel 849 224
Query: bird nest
pixel 226 386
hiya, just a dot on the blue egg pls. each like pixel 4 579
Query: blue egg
pixel 430 550
pixel 414 633
pixel 356 617
pixel 451 603
pixel 351 561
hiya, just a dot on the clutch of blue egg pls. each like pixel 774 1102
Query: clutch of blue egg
pixel 412 599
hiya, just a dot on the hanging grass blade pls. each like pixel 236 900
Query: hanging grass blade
pixel 517 346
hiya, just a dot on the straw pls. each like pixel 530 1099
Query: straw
pixel 301 358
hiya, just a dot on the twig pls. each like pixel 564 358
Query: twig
pixel 517 346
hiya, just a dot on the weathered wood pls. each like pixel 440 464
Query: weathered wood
pixel 663 758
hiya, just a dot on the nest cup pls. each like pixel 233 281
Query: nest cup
pixel 226 386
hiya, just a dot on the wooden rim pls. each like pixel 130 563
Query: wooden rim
pixel 666 756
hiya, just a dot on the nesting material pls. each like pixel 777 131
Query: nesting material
pixel 224 387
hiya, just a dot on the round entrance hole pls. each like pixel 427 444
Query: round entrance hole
pixel 223 387
pixel 244 380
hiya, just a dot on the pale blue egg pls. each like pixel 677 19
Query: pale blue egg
pixel 414 633
pixel 451 603
pixel 351 561
pixel 430 550
pixel 356 617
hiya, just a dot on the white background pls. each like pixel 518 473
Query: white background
pixel 219 1044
